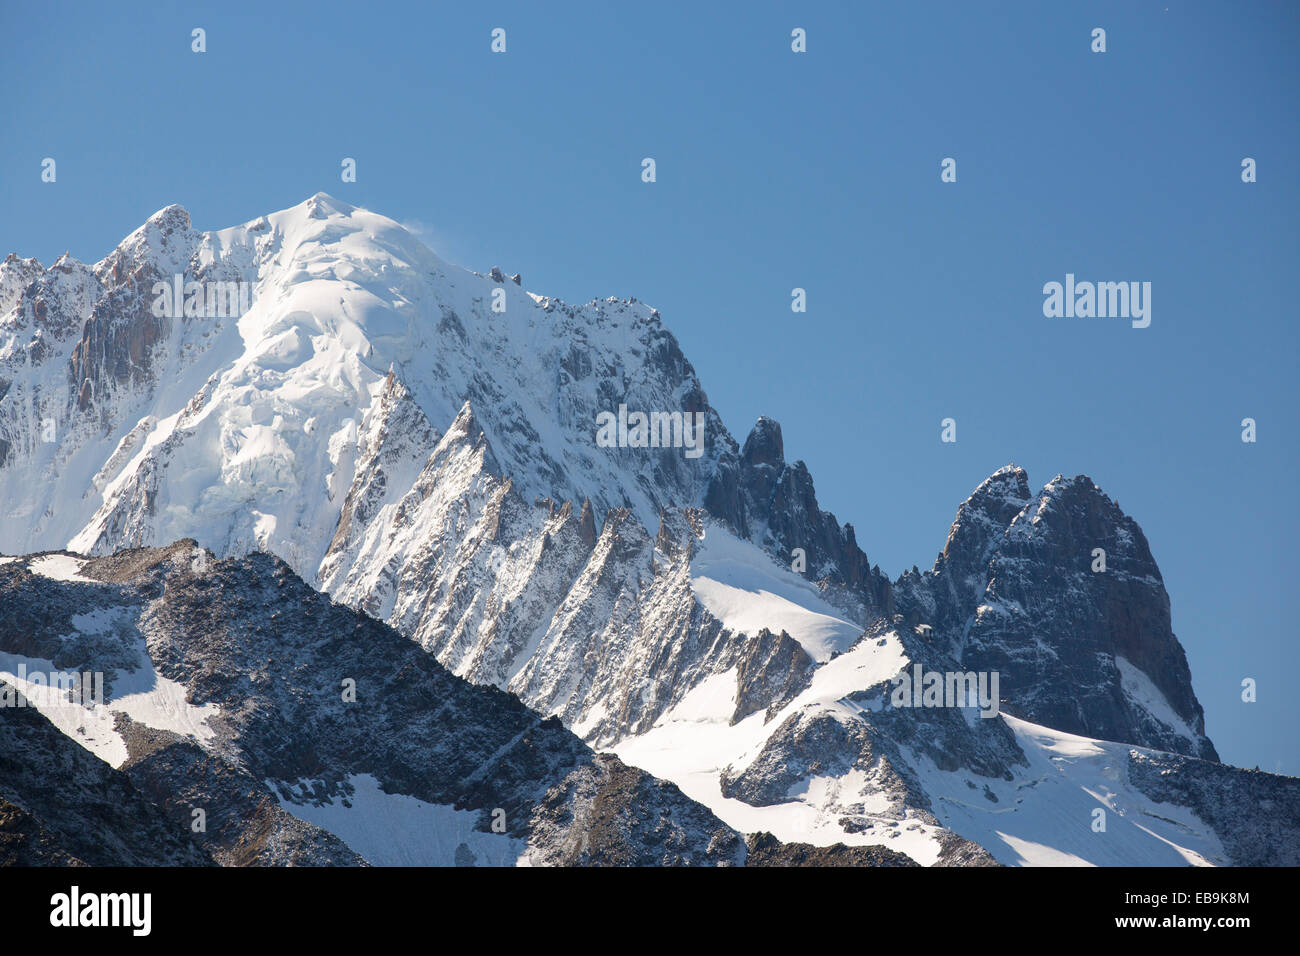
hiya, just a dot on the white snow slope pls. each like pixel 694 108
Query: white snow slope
pixel 743 588
pixel 244 434
pixel 1043 817
pixel 392 829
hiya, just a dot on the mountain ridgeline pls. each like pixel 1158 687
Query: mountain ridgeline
pixel 387 470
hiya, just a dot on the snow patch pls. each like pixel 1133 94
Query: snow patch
pixel 94 728
pixel 740 585
pixel 391 829
pixel 144 695
pixel 1145 695
pixel 1044 817
pixel 59 567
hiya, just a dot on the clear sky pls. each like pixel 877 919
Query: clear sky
pixel 778 170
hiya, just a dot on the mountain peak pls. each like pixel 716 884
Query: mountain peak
pixel 171 217
pixel 13 259
pixel 1010 468
pixel 984 516
pixel 66 262
pixel 1082 483
pixel 322 205
pixel 764 446
pixel 1009 483
pixel 163 243
pixel 1075 573
pixel 1080 494
pixel 465 424
pixel 467 431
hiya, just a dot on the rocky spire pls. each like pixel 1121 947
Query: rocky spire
pixel 1073 614
pixel 587 524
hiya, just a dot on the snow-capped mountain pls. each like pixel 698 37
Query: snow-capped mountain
pixel 151 411
pixel 422 443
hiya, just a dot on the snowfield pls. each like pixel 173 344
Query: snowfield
pixel 245 435
pixel 390 829
pixel 1045 817
pixel 743 588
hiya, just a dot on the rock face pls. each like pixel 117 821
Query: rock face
pixel 1256 814
pixel 946 597
pixel 1020 589
pixel 773 503
pixel 61 806
pixel 767 850
pixel 772 672
pixel 392 440
pixel 41 314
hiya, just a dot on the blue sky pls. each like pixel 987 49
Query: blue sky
pixel 778 170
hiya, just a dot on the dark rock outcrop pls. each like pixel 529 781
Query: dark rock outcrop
pixel 250 637
pixel 771 672
pixel 767 850
pixel 60 805
pixel 765 499
pixel 1256 815
pixel 947 595
pixel 1020 589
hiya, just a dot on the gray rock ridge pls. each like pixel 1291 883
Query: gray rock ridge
pixel 248 636
pixel 764 499
pixel 602 629
pixel 1255 814
pixel 767 850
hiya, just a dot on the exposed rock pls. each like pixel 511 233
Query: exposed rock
pixel 1083 651
pixel 767 850
pixel 60 805
pixel 1062 635
pixel 1256 815
pixel 762 497
pixel 959 852
pixel 248 637
pixel 587 524
pixel 947 595
pixel 772 670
